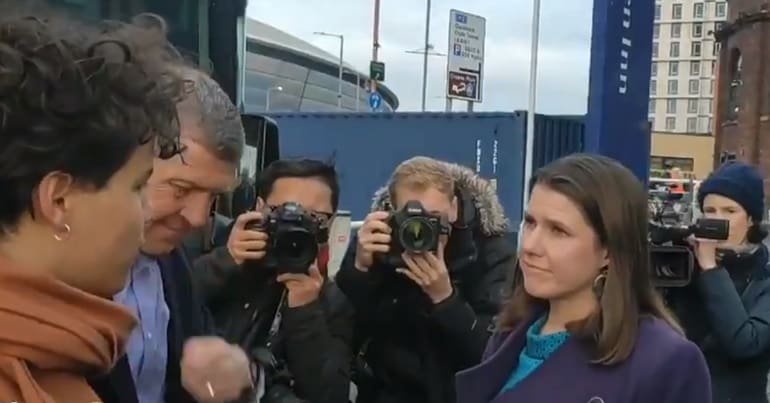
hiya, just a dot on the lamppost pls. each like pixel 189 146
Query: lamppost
pixel 425 56
pixel 267 96
pixel 529 146
pixel 342 47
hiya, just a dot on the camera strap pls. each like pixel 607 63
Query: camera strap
pixel 275 326
pixel 257 327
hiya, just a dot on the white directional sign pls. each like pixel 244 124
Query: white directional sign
pixel 465 63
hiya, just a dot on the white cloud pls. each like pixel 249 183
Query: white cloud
pixel 563 57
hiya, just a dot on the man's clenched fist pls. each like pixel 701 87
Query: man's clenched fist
pixel 214 371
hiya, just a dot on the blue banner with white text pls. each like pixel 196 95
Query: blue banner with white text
pixel 621 53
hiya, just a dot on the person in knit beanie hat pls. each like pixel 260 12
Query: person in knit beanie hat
pixel 735 192
pixel 728 314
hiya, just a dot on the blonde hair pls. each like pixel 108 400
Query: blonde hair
pixel 421 173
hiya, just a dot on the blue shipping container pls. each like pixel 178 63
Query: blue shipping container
pixel 366 147
pixel 555 136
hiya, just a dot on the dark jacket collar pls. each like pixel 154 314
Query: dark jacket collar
pixel 753 264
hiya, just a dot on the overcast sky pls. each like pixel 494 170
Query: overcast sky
pixel 564 46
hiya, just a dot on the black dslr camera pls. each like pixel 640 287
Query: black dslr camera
pixel 672 259
pixel 414 230
pixel 293 238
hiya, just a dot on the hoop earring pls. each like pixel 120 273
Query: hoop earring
pixel 64 234
pixel 598 286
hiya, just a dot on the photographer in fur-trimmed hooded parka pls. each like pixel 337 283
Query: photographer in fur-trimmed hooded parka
pixel 426 274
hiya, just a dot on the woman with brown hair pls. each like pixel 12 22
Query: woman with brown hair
pixel 83 113
pixel 584 323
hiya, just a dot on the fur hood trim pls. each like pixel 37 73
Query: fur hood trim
pixel 490 213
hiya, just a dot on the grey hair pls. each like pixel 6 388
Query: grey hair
pixel 220 120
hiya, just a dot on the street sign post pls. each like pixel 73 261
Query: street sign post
pixel 465 60
pixel 377 70
pixel 375 101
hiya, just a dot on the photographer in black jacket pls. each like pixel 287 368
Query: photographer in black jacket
pixel 726 310
pixel 420 323
pixel 297 325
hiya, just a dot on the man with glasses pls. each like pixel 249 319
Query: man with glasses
pixel 289 317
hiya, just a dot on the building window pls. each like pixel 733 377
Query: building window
pixel 721 9
pixel 656 31
pixel 693 87
pixel 697 10
pixel 695 49
pixel 676 30
pixel 713 68
pixel 718 26
pixel 652 122
pixel 655 50
pixel 673 49
pixel 692 125
pixel 657 12
pixel 697 30
pixel 676 11
pixel 651 106
pixel 717 47
pixel 709 106
pixel 692 106
pixel 673 87
pixel 736 82
pixel 673 69
pixel 670 124
pixel 694 68
pixel 653 87
pixel 654 69
pixel 671 106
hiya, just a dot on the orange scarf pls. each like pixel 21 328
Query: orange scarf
pixel 52 336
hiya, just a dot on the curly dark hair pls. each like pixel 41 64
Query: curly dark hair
pixel 80 99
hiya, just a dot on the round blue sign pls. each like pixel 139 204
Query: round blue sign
pixel 375 100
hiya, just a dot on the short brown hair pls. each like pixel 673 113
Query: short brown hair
pixel 422 173
pixel 614 203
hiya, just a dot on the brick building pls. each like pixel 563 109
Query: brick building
pixel 742 108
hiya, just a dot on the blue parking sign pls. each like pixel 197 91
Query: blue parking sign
pixel 461 18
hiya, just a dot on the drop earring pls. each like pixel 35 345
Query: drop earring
pixel 599 283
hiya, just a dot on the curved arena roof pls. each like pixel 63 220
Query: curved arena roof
pixel 271 37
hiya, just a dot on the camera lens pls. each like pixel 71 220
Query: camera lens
pixel 417 235
pixel 296 249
